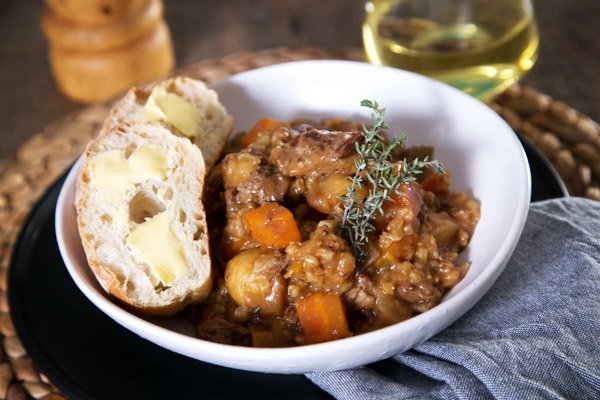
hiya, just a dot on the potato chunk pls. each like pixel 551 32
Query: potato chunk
pixel 254 279
pixel 238 167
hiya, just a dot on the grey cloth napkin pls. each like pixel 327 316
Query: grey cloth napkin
pixel 534 335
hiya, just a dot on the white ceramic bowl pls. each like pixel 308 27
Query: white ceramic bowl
pixel 483 153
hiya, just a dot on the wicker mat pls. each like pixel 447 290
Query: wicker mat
pixel 571 141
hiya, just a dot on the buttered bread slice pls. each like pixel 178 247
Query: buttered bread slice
pixel 141 219
pixel 185 106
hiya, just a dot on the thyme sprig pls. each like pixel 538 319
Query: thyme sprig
pixel 375 170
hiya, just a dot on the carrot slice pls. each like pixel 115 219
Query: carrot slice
pixel 272 226
pixel 322 317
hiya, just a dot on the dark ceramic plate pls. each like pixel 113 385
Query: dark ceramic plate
pixel 89 356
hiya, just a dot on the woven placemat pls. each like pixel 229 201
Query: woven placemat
pixel 570 141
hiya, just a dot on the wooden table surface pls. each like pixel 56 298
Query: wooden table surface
pixel 568 67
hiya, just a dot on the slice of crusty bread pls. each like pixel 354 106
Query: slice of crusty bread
pixel 108 213
pixel 215 123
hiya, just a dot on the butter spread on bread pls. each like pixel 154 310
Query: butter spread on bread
pixel 173 109
pixel 156 244
pixel 114 172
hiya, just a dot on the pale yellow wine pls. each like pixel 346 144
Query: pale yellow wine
pixel 481 58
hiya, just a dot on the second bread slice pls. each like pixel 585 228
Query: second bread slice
pixel 186 98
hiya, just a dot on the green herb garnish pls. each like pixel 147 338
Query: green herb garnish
pixel 374 168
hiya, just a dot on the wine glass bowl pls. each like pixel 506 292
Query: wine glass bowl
pixel 478 46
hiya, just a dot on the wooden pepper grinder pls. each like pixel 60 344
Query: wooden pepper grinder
pixel 100 48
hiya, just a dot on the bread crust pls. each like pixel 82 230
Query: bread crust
pixel 107 278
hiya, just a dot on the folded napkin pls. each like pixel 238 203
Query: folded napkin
pixel 534 335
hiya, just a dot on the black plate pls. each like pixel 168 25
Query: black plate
pixel 89 356
pixel 545 181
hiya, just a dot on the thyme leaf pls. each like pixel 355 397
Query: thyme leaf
pixel 376 171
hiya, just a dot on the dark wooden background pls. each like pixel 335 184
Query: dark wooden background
pixel 568 67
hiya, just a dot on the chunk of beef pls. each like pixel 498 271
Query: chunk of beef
pixel 213 319
pixel 263 185
pixel 421 296
pixel 318 151
pixel 361 296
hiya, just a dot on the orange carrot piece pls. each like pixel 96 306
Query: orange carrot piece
pixel 265 124
pixel 272 226
pixel 322 317
pixel 399 250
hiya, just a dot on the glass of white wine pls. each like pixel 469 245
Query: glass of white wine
pixel 478 46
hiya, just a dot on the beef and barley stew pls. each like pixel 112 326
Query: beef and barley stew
pixel 306 248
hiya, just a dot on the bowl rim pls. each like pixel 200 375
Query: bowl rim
pixel 468 295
